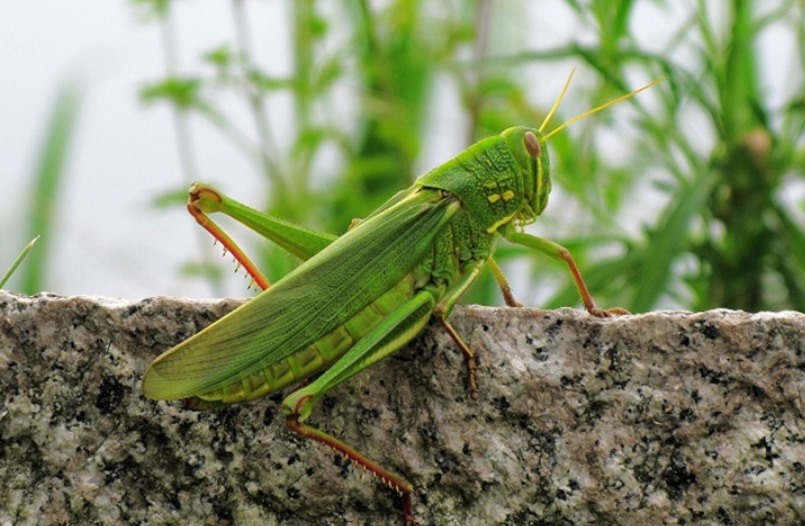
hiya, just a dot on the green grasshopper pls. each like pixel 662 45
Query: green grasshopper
pixel 360 297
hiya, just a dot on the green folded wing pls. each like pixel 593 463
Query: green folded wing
pixel 308 303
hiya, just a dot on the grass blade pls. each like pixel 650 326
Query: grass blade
pixel 17 261
pixel 50 170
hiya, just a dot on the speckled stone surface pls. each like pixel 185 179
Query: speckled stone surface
pixel 663 418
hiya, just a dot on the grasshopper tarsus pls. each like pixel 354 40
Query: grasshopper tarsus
pixel 609 313
pixel 408 509
pixel 470 360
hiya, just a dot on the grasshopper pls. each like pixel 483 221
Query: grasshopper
pixel 360 297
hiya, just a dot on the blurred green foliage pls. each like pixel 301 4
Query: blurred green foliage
pixel 702 211
pixel 29 271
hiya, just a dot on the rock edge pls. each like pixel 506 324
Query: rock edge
pixel 662 418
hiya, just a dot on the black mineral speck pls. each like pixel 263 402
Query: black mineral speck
pixel 268 416
pixel 766 446
pixel 554 327
pixel 131 310
pixel 710 331
pixel 541 355
pixel 724 517
pixel 501 403
pixel 677 477
pixel 714 377
pixel 110 394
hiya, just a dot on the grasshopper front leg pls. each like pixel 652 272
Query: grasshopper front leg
pixel 503 284
pixel 559 252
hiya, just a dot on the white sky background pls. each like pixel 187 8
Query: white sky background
pixel 109 240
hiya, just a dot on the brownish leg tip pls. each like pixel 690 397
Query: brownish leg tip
pixel 608 313
pixel 408 510
pixel 472 382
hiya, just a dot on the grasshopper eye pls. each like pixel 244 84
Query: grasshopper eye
pixel 532 144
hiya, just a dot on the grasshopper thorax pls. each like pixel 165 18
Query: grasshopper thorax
pixel 499 180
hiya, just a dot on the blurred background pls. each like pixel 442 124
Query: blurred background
pixel 690 195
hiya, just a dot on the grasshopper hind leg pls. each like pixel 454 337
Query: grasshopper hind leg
pixel 469 357
pixel 390 335
pixel 403 488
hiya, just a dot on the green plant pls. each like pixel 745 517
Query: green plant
pixel 716 151
pixel 47 180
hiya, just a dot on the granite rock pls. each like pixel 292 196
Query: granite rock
pixel 660 418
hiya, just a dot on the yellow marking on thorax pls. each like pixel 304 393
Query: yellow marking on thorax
pixel 500 222
pixel 508 195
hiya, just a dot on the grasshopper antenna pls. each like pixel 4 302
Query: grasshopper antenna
pixel 588 112
pixel 557 101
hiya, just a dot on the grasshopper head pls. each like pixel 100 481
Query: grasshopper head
pixel 531 155
pixel 528 147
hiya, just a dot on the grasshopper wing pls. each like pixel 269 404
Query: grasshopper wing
pixel 309 303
